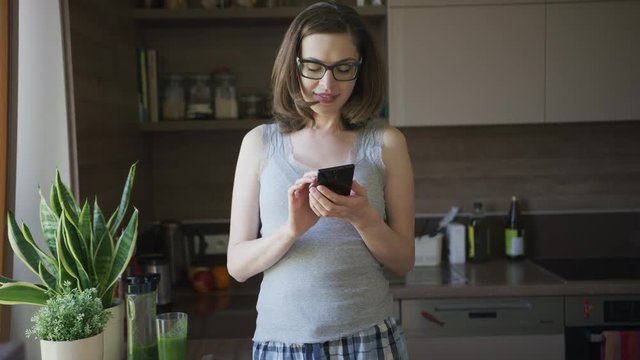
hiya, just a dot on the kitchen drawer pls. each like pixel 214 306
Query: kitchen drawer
pixel 486 316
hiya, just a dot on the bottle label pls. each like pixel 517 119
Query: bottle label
pixel 514 243
pixel 472 242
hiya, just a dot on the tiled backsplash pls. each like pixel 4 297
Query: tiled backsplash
pixel 553 167
pixel 567 235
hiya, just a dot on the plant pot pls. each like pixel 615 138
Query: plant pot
pixel 83 349
pixel 114 332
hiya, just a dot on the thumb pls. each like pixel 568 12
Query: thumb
pixel 357 189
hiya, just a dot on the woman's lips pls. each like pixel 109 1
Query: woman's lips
pixel 325 98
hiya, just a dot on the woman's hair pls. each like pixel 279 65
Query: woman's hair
pixel 291 112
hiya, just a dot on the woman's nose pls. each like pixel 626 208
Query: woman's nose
pixel 327 79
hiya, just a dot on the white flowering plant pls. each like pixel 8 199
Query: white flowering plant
pixel 70 315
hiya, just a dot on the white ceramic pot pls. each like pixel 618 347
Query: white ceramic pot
pixel 84 349
pixel 114 333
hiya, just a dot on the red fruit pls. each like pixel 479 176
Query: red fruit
pixel 203 281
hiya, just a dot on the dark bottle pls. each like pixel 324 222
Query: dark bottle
pixel 513 233
pixel 478 235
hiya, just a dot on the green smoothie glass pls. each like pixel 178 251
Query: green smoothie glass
pixel 172 336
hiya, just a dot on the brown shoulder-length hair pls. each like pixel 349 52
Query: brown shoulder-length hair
pixel 291 112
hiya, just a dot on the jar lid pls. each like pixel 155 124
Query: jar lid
pixel 142 284
pixel 204 77
pixel 175 77
pixel 224 76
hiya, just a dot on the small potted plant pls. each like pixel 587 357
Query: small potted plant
pixel 71 325
pixel 85 249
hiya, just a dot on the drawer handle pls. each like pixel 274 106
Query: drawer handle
pixel 432 318
pixel 483 315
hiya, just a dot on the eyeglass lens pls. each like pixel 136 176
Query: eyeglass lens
pixel 341 72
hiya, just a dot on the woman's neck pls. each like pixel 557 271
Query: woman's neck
pixel 327 123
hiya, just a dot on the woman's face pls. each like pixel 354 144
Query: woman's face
pixel 328 49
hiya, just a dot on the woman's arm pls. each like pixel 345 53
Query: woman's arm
pixel 246 255
pixel 391 243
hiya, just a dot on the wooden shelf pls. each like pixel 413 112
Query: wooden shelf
pixel 234 14
pixel 202 125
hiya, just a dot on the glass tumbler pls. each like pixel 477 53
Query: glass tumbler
pixel 172 335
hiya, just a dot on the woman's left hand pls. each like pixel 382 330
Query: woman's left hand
pixel 354 208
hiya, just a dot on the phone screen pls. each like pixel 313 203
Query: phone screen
pixel 337 179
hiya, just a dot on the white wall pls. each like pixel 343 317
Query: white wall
pixel 42 139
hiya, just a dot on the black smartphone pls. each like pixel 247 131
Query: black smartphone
pixel 337 179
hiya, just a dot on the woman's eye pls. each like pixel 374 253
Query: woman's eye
pixel 344 68
pixel 314 68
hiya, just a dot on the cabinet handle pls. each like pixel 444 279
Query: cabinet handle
pixel 432 318
pixel 484 307
pixel 595 338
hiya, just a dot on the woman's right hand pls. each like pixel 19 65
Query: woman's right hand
pixel 301 217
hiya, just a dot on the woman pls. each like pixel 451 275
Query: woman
pixel 323 294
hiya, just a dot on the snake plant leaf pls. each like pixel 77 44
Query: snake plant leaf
pixel 107 297
pixel 48 278
pixel 123 252
pixel 67 200
pixel 104 249
pixel 63 273
pixel 4 280
pixel 47 269
pixel 21 247
pixel 29 238
pixel 84 227
pixel 76 244
pixel 116 219
pixel 99 223
pixel 23 293
pixel 55 203
pixel 65 259
pixel 49 224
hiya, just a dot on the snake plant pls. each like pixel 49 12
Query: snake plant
pixel 84 248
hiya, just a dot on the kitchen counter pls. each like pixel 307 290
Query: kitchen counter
pixel 499 278
pixel 221 323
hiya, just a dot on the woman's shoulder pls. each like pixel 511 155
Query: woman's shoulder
pixel 392 137
pixel 387 134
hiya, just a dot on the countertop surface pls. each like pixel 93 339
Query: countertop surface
pixel 499 278
pixel 221 323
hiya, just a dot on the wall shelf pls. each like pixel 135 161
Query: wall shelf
pixel 233 15
pixel 201 125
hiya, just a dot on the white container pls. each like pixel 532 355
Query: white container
pixel 428 250
pixel 114 333
pixel 84 349
pixel 456 243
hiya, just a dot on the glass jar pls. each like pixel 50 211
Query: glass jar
pixel 199 98
pixel 175 4
pixel 252 106
pixel 225 102
pixel 141 314
pixel 173 106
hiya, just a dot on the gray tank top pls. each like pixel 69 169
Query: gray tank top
pixel 328 285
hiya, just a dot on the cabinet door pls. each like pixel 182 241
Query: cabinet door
pixel 532 347
pixel 461 65
pixel 593 61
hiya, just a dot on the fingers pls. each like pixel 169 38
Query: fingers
pixel 307 179
pixel 297 190
pixel 322 204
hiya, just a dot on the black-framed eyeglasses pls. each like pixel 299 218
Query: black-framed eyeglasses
pixel 315 70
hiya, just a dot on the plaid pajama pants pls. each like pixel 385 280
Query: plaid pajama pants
pixel 383 341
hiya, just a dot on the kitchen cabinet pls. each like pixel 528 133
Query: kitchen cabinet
pixel 484 328
pixel 593 61
pixel 466 65
pixel 399 3
pixel 246 40
pixel 174 179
